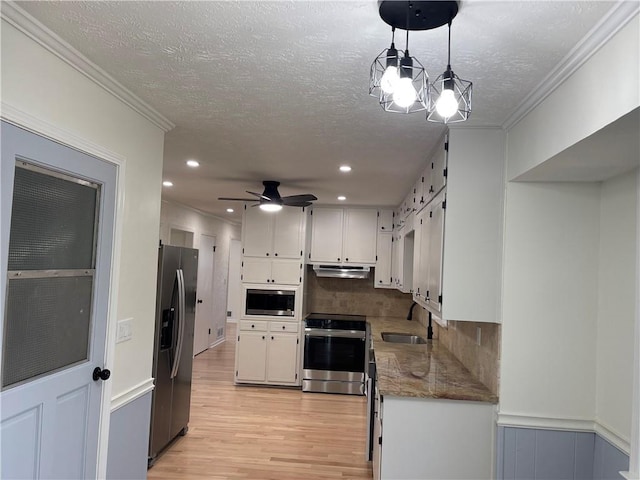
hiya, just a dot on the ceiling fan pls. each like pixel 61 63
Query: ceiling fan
pixel 271 201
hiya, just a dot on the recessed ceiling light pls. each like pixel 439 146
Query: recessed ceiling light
pixel 345 168
pixel 167 183
pixel 342 198
pixel 193 163
pixel 229 210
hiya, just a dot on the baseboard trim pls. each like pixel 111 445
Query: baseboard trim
pixel 132 394
pixel 566 424
pixel 217 342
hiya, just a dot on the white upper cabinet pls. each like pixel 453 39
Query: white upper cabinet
pixel 421 188
pixel 383 277
pixel 343 235
pixel 257 232
pixel 359 244
pixel 458 234
pixel 421 255
pixel 288 232
pixel 402 259
pixel 438 177
pixel 276 271
pixel 385 220
pixel 273 234
pixel 326 235
pixel 434 260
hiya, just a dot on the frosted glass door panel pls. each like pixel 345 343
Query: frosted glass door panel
pixel 52 222
pixel 47 326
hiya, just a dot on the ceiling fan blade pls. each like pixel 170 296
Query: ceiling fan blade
pixel 294 200
pixel 259 195
pixel 238 199
pixel 299 204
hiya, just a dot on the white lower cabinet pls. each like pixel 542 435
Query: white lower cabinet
pixel 281 355
pixel 267 352
pixel 433 439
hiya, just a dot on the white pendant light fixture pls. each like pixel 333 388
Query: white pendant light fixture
pixel 449 95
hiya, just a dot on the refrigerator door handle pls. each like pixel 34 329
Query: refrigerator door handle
pixel 180 318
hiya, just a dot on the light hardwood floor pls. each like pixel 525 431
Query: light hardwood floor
pixel 264 433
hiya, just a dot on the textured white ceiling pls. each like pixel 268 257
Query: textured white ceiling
pixel 279 90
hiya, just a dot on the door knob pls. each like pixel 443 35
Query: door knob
pixel 199 301
pixel 99 374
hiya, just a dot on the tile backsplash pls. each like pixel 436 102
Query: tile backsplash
pixel 461 339
pixel 353 297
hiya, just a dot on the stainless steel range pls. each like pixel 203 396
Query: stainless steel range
pixel 336 351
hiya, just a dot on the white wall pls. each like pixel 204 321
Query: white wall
pixel 183 218
pixel 601 91
pixel 616 303
pixel 550 300
pixel 40 84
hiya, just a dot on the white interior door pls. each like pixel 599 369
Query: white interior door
pixel 57 219
pixel 204 305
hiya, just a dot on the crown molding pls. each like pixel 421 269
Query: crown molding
pixel 35 30
pixel 615 19
pixel 200 212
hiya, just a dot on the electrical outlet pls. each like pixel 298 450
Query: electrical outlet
pixel 478 335
pixel 124 330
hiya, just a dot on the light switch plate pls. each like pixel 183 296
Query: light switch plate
pixel 125 330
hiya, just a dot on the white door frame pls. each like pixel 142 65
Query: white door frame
pixel 43 128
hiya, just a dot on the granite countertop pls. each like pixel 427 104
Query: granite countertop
pixel 425 371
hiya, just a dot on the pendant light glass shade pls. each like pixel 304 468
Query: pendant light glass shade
pixel 449 95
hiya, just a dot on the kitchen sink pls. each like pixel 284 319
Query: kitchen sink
pixel 402 338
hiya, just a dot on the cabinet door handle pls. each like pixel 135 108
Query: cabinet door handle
pixel 346 259
pixel 283 327
pixel 338 258
pixel 267 254
pixel 263 337
pixel 275 254
pixel 253 326
pixel 271 337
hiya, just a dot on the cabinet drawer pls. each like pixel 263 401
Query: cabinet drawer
pixel 284 327
pixel 251 325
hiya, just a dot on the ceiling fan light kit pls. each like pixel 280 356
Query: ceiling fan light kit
pixel 401 82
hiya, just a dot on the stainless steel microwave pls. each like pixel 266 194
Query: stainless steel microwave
pixel 268 302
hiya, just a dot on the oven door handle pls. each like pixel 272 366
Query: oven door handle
pixel 322 332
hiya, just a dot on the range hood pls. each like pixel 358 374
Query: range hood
pixel 337 271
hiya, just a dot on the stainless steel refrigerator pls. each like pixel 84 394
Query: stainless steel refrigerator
pixel 173 345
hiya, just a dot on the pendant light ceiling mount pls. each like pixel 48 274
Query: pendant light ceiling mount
pixel 417 15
